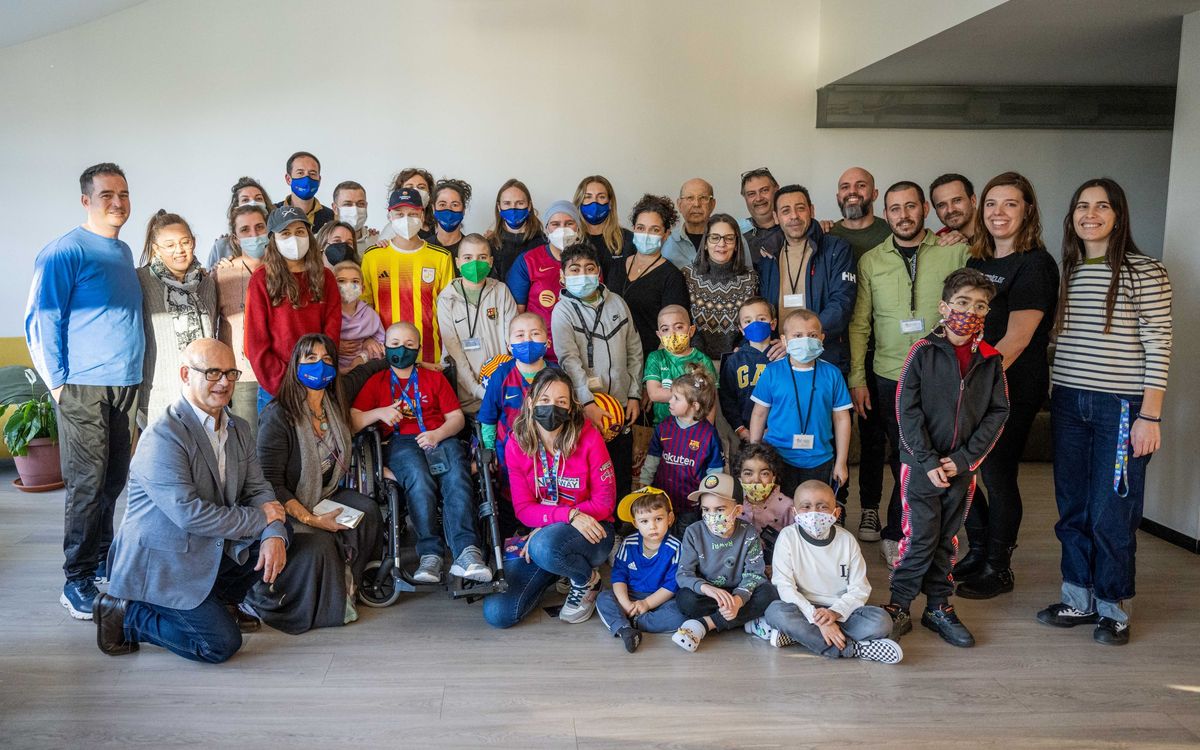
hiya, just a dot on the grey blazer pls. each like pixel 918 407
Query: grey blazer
pixel 181 520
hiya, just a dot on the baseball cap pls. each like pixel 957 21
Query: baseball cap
pixel 718 484
pixel 405 197
pixel 283 216
pixel 625 507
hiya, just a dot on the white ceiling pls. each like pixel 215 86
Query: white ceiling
pixel 22 20
pixel 1042 42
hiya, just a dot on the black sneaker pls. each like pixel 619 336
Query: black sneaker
pixel 901 620
pixel 945 623
pixel 77 596
pixel 631 638
pixel 1060 615
pixel 868 526
pixel 987 584
pixel 1110 632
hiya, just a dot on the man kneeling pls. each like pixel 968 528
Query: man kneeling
pixel 201 521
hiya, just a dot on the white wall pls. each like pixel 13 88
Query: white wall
pixel 189 96
pixel 1173 492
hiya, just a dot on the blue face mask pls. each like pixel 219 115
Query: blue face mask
pixel 583 286
pixel 595 213
pixel 528 352
pixel 315 376
pixel 514 217
pixel 254 247
pixel 448 220
pixel 757 332
pixel 804 349
pixel 304 187
pixel 647 244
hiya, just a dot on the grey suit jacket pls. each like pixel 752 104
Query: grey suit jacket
pixel 181 519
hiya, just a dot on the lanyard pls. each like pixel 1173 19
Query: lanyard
pixel 804 417
pixel 413 401
pixel 549 475
pixel 471 326
pixel 1121 466
pixel 796 279
pixel 911 266
pixel 591 335
pixel 645 272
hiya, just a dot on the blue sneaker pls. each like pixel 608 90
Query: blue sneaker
pixel 77 596
pixel 101 573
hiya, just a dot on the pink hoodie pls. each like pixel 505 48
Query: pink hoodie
pixel 585 481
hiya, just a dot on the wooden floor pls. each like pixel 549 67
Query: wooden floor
pixel 429 673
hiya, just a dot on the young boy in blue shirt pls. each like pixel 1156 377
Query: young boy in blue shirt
pixel 741 368
pixel 802 408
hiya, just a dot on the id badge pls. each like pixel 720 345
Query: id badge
pixel 793 300
pixel 470 345
pixel 802 442
pixel 912 325
pixel 595 384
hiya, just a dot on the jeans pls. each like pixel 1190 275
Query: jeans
pixel 95 441
pixel 207 633
pixel 666 618
pixel 407 461
pixel 931 520
pixel 866 623
pixel 698 606
pixel 872 445
pixel 555 551
pixel 264 398
pixel 1096 527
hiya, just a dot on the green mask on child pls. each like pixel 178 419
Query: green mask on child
pixel 475 271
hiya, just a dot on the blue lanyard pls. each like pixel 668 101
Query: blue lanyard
pixel 1121 467
pixel 549 475
pixel 413 401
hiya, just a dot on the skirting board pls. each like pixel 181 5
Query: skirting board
pixel 1179 539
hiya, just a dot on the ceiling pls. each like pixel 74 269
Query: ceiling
pixel 1043 42
pixel 22 20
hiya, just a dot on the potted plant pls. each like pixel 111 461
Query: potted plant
pixel 31 435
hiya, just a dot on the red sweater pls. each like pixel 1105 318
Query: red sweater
pixel 272 331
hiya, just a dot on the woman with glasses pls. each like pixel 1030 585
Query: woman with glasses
pixel 179 305
pixel 718 283
pixel 1008 249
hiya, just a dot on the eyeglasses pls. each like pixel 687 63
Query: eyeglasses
pixel 722 239
pixel 184 244
pixel 214 374
pixel 961 305
pixel 760 172
pixel 696 199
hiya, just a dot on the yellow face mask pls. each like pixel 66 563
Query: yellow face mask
pixel 756 492
pixel 676 343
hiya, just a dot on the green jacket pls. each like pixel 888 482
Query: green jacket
pixel 885 296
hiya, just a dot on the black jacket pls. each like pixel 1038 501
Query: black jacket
pixel 942 413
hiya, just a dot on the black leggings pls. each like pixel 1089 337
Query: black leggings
pixel 994 521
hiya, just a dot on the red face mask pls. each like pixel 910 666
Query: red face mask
pixel 964 323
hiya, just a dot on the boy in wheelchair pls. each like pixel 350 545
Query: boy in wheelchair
pixel 420 410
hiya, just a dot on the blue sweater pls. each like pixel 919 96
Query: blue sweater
pixel 739 374
pixel 83 323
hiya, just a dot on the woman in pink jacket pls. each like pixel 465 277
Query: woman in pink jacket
pixel 564 489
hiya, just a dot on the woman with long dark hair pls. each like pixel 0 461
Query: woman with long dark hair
pixel 1110 376
pixel 718 283
pixel 516 227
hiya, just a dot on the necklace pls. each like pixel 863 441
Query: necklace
pixel 321 418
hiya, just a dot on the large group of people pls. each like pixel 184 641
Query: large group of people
pixel 676 398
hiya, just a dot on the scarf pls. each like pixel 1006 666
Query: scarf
pixel 182 300
pixel 310 490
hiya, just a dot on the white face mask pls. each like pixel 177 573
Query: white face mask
pixel 407 226
pixel 424 196
pixel 354 216
pixel 816 524
pixel 350 291
pixel 563 237
pixel 292 248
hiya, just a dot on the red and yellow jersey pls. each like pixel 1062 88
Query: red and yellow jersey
pixel 403 285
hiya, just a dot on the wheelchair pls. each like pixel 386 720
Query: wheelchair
pixel 385 580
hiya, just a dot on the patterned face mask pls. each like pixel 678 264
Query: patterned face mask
pixel 816 524
pixel 718 523
pixel 676 343
pixel 964 323
pixel 756 492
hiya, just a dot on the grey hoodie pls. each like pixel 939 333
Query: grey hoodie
pixel 735 563
pixel 615 355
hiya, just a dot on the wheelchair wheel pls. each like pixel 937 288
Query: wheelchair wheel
pixel 377 590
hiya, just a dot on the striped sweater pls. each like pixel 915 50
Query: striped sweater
pixel 1136 352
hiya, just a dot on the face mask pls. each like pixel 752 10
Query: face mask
pixel 528 352
pixel 292 248
pixel 350 291
pixel 804 349
pixel 475 271
pixel 514 217
pixel 401 356
pixel 595 213
pixel 583 286
pixel 260 204
pixel 550 417
pixel 354 216
pixel 407 226
pixel 448 220
pixel 315 376
pixel 337 252
pixel 424 196
pixel 718 523
pixel 757 332
pixel 563 237
pixel 965 323
pixel 253 247
pixel 304 187
pixel 756 492
pixel 676 343
pixel 647 244
pixel 816 524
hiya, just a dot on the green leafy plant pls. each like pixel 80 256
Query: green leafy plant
pixel 29 421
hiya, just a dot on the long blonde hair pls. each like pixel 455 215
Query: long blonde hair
pixel 525 429
pixel 610 228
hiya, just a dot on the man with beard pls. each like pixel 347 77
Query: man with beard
pixel 953 198
pixel 899 287
pixel 696 203
pixel 758 190
pixel 859 226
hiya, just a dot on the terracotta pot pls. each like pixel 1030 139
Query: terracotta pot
pixel 41 466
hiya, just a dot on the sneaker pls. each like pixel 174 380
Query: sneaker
pixel 77 596
pixel 630 637
pixel 868 527
pixel 1110 632
pixel 759 628
pixel 101 573
pixel 1059 615
pixel 469 564
pixel 890 549
pixel 563 585
pixel 988 584
pixel 944 621
pixel 689 635
pixel 429 571
pixel 901 620
pixel 882 650
pixel 581 601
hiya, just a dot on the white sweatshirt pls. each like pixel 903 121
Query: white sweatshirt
pixel 813 573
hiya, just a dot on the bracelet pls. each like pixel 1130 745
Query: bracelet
pixel 572 514
pixel 1148 418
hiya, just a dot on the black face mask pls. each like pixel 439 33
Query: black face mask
pixel 401 356
pixel 550 417
pixel 337 252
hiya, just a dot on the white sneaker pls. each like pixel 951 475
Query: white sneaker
pixel 469 564
pixel 689 635
pixel 882 650
pixel 758 627
pixel 429 571
pixel 581 601
pixel 891 552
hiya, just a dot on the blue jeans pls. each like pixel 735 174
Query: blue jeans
pixel 264 398
pixel 666 618
pixel 407 461
pixel 555 551
pixel 1096 527
pixel 206 633
pixel 864 624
